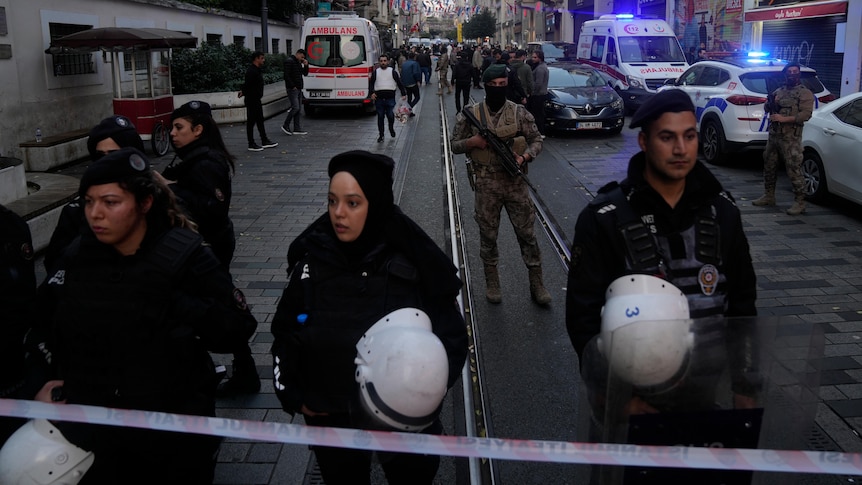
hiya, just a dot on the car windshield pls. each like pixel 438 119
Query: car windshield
pixel 574 78
pixel 650 49
pixel 769 81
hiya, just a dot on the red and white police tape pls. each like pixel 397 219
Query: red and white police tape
pixel 504 449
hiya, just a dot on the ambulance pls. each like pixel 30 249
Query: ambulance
pixel 342 50
pixel 640 54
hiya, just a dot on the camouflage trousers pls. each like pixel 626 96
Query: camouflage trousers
pixel 789 147
pixel 495 190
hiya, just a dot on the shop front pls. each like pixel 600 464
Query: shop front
pixel 810 33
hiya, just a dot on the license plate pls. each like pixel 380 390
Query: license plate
pixel 589 125
pixel 319 94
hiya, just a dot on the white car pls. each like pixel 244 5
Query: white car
pixel 729 95
pixel 832 140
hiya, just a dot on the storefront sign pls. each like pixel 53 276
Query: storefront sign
pixel 798 11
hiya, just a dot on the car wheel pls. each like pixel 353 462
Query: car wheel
pixel 814 176
pixel 712 138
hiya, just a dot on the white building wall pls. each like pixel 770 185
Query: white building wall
pixel 31 96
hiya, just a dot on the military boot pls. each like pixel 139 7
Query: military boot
pixel 244 379
pixel 766 199
pixel 492 284
pixel 537 288
pixel 798 207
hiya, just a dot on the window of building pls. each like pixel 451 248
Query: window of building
pixel 258 44
pixel 214 38
pixel 274 46
pixel 288 46
pixel 70 64
pixel 239 40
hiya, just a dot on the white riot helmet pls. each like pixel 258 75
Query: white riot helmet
pixel 38 454
pixel 402 370
pixel 645 332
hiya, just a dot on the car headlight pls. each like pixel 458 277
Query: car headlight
pixel 635 82
pixel 617 103
pixel 555 105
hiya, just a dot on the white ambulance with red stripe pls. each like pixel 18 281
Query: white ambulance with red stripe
pixel 640 54
pixel 342 50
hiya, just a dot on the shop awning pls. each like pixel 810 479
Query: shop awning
pixel 797 11
pixel 121 39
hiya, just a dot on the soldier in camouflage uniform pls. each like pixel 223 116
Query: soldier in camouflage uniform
pixel 495 188
pixel 792 107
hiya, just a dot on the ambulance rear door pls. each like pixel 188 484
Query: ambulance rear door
pixel 339 66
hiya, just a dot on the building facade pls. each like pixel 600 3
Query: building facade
pixel 55 95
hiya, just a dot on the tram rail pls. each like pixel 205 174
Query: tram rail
pixel 476 415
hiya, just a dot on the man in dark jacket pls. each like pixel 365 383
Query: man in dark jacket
pixel 252 89
pixel 424 60
pixel 462 77
pixel 294 68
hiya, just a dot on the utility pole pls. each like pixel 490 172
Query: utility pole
pixel 264 22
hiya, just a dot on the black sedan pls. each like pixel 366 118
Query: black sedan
pixel 580 98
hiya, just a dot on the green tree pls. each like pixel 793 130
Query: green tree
pixel 483 24
pixel 214 67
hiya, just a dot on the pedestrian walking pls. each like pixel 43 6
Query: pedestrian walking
pixel 425 64
pixel 524 73
pixel 411 77
pixel 359 263
pixel 495 187
pixel 442 69
pixel 382 85
pixel 295 68
pixel 536 103
pixel 252 90
pixel 200 176
pixel 791 106
pixel 462 76
pixel 128 317
pixel 478 62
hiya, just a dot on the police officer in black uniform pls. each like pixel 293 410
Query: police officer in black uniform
pixel 17 290
pixel 674 203
pixel 129 314
pixel 111 134
pixel 200 176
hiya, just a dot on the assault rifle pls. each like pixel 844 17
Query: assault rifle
pixel 503 151
pixel 771 106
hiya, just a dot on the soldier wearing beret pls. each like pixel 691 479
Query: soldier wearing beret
pixel 666 199
pixel 495 188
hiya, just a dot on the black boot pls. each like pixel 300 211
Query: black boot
pixel 243 380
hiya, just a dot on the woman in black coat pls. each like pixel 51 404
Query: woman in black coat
pixel 359 262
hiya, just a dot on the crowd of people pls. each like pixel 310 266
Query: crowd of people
pixel 138 290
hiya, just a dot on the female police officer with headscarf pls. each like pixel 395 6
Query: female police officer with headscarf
pixel 353 265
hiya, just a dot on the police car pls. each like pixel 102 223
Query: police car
pixel 729 95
